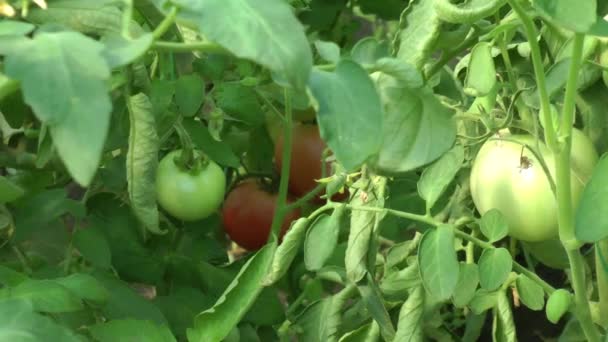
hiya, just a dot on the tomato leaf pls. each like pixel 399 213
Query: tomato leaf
pixel 494 267
pixel 46 296
pixel 189 94
pixel 417 128
pixel 218 151
pixel 10 277
pixel 120 51
pixel 9 191
pixel 21 321
pixel 348 113
pixel 530 293
pixel 93 246
pixel 439 266
pixel 372 298
pixel 468 279
pixel 420 27
pixel 284 51
pixel 396 285
pixel 16 28
pixel 329 51
pixel 216 323
pixel 572 14
pixel 142 161
pixel 504 324
pixel 322 239
pixel 131 330
pixel 483 300
pixel 591 225
pixel 436 178
pixel 287 250
pixel 410 326
pixel 494 225
pixel 80 117
pixel 368 50
pixel 481 73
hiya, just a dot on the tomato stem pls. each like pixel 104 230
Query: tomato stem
pixel 164 25
pixel 601 270
pixel 207 47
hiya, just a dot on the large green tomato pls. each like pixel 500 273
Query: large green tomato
pixel 189 195
pixel 506 177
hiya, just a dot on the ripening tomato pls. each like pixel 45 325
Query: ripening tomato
pixel 248 212
pixel 189 195
pixel 306 153
pixel 506 177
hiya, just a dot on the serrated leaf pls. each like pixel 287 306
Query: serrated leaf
pixel 494 225
pixel 591 225
pixel 348 113
pixel 410 326
pixel 131 330
pixel 420 27
pixel 216 323
pixel 436 178
pixel 255 35
pixel 79 119
pixel 142 161
pixel 439 266
pixel 494 267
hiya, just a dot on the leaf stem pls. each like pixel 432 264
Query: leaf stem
pixel 207 47
pixel 164 25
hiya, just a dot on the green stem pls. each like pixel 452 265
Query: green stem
pixel 285 166
pixel 165 25
pixel 601 270
pixel 565 217
pixel 127 16
pixel 539 74
pixel 449 55
pixel 207 47
pixel 302 200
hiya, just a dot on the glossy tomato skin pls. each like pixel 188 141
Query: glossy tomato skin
pixel 189 195
pixel 306 153
pixel 247 215
pixel 522 191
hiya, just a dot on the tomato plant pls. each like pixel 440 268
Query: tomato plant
pixel 247 215
pixel 189 194
pixel 138 137
pixel 507 176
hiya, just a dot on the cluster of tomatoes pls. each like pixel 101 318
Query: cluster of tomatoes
pixel 249 208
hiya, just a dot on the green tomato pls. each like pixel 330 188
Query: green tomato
pixel 189 195
pixel 557 305
pixel 510 178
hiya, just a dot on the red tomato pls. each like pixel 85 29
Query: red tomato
pixel 248 212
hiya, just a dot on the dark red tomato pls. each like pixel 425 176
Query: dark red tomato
pixel 248 212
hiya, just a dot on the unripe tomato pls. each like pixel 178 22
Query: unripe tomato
pixel 189 195
pixel 557 305
pixel 247 215
pixel 512 180
pixel 306 153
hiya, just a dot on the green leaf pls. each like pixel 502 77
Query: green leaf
pixel 494 225
pixel 15 28
pixel 405 73
pixel 439 266
pixel 329 51
pixel 80 117
pixel 85 287
pixel 368 50
pixel 481 73
pixel 287 250
pixel 120 51
pixel 9 191
pixel 45 295
pixel 348 114
pixel 420 27
pixel 255 35
pixel 410 327
pixel 578 16
pixel 10 277
pixel 125 303
pixel 591 225
pixel 372 298
pixel 417 128
pixel 396 285
pixel 366 333
pixel 468 279
pixel 467 12
pixel 362 226
pixel 21 323
pixel 436 178
pixel 93 246
pixel 217 151
pixel 142 161
pixel 322 239
pixel 506 326
pixel 494 267
pixel 189 94
pixel 530 293
pixel 216 323
pixel 240 102
pixel 181 306
pixel 483 300
pixel 131 330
